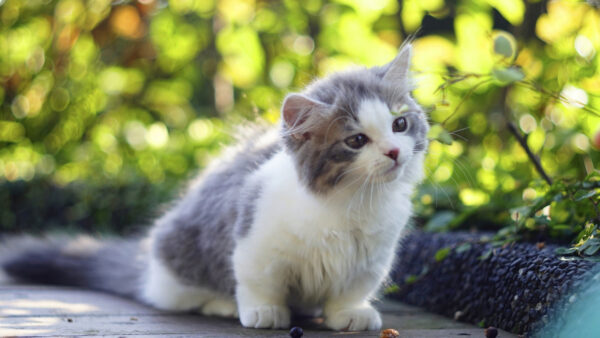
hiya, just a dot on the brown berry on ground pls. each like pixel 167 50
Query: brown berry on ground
pixel 389 333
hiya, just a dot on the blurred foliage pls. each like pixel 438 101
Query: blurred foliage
pixel 108 94
pixel 39 205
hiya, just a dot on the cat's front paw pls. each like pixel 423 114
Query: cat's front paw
pixel 265 317
pixel 354 319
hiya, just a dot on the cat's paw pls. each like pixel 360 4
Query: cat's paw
pixel 265 316
pixel 220 307
pixel 355 319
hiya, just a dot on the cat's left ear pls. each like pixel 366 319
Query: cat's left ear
pixel 397 70
pixel 300 114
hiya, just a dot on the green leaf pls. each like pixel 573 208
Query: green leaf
pixel 391 289
pixel 582 194
pixel 486 255
pixel 441 254
pixel 463 247
pixel 588 230
pixel 542 220
pixel 411 279
pixel 440 221
pixel 508 75
pixel 503 46
pixel 590 184
pixel 589 244
pixel 564 251
pixel 438 133
pixel 445 138
pixel 561 227
pixel 592 249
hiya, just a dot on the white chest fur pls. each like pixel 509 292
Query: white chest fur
pixel 317 248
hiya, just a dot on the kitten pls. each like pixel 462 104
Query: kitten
pixel 306 217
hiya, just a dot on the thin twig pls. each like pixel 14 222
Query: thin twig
pixel 534 159
pixel 522 141
pixel 559 97
pixel 465 98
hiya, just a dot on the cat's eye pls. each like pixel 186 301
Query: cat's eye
pixel 400 124
pixel 356 141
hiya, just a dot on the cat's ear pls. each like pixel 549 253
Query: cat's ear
pixel 298 112
pixel 397 70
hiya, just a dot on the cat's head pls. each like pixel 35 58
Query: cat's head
pixel 357 127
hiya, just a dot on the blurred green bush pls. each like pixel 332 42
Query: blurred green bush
pixel 103 97
pixel 40 205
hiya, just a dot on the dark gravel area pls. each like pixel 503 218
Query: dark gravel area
pixel 514 288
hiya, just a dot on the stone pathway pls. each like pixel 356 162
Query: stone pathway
pixel 45 311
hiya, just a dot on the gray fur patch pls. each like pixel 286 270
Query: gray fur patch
pixel 329 165
pixel 246 210
pixel 196 238
pixel 418 128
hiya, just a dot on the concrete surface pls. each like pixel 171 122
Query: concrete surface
pixel 47 311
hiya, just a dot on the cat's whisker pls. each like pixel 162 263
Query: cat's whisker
pixel 371 197
pixel 355 197
pixel 459 136
pixel 440 187
pixel 361 192
pixel 352 112
pixel 459 130
pixel 345 186
pixel 465 171
pixel 345 172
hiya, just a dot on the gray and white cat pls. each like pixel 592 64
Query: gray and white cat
pixel 302 218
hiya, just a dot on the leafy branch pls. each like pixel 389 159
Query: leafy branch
pixel 568 207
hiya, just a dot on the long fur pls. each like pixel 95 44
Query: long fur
pixel 111 265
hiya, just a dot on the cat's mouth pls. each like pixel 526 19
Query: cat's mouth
pixel 395 166
pixel 393 171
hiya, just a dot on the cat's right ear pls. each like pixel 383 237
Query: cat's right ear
pixel 397 70
pixel 299 112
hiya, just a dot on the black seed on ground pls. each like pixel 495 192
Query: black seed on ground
pixel 296 332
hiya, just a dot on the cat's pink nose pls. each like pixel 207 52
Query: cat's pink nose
pixel 393 154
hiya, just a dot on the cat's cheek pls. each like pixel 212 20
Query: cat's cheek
pixel 367 163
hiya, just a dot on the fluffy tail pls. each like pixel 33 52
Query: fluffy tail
pixel 114 266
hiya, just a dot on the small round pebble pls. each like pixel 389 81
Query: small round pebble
pixel 389 333
pixel 296 332
pixel 491 332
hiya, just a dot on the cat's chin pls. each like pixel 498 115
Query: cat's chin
pixel 392 173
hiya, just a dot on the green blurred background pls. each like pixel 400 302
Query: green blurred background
pixel 107 108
